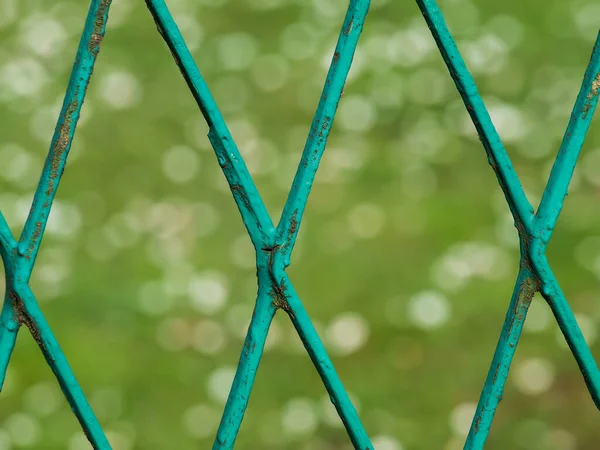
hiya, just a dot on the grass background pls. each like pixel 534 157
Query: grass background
pixel 146 274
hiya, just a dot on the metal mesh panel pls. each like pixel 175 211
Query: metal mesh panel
pixel 274 244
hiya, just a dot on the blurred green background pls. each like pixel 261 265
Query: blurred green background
pixel 406 259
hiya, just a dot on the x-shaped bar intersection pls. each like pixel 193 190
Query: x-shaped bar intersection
pixel 273 246
pixel 535 229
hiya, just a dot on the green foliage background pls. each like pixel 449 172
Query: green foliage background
pixel 404 204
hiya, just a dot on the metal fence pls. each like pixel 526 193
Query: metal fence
pixel 274 244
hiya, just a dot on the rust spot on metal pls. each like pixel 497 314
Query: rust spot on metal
pixel 238 191
pixel 336 58
pixel 586 109
pixel 595 86
pixel 279 296
pixel 24 319
pixel 527 289
pixel 324 126
pixel 61 144
pixel 37 232
pixel 99 23
pixel 247 349
pixel 524 238
pixel 476 424
pixel 591 96
pixel 278 290
pixel 496 373
pixel 94 44
pixel 293 224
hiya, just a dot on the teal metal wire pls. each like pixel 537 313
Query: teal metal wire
pixel 20 306
pixel 274 245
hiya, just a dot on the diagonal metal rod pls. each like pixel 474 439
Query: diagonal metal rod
pixel 318 355
pixel 7 240
pixel 29 243
pixel 88 49
pixel 9 325
pixel 568 153
pixel 552 293
pixel 32 317
pixel 254 213
pixel 493 389
pixel 520 207
pixel 239 395
pixel 293 210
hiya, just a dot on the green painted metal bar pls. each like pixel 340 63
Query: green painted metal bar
pixel 493 389
pixel 289 224
pixel 318 355
pixel 6 238
pixel 32 317
pixel 88 49
pixel 9 325
pixel 564 165
pixel 239 395
pixel 520 207
pixel 254 214
pixel 552 293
